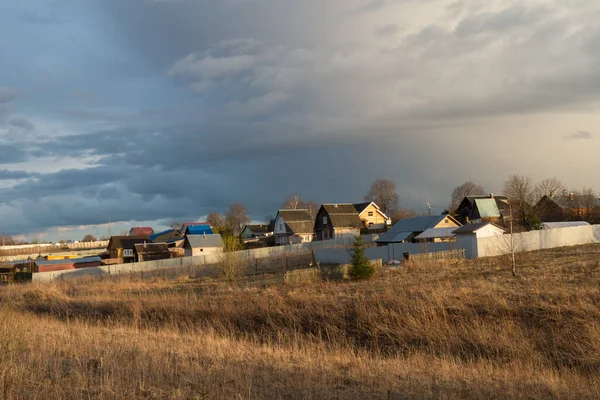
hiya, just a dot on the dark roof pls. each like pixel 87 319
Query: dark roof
pixel 126 242
pixel 297 221
pixel 566 202
pixel 360 207
pixel 343 215
pixel 198 229
pixel 151 248
pixel 257 228
pixel 41 261
pixel 170 235
pixel 142 230
pixel 472 228
pixel 186 224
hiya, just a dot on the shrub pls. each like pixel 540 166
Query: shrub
pixel 360 266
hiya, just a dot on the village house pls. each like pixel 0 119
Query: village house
pixel 490 208
pixel 566 207
pixel 407 230
pixel 172 237
pixel 141 231
pixel 121 249
pixel 256 232
pixel 293 226
pixel 336 221
pixel 198 245
pixel 151 251
pixel 372 217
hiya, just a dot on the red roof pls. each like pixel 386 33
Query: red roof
pixel 141 231
pixel 186 224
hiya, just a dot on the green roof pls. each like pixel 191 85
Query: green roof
pixel 487 208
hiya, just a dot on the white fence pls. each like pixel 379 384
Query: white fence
pixel 385 253
pixel 204 260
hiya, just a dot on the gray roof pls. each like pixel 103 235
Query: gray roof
pixel 151 248
pixel 297 221
pixel 343 215
pixel 437 233
pixel 199 241
pixel 257 228
pixel 565 224
pixel 406 227
pixel 472 228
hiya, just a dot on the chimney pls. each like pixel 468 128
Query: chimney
pixel 571 196
pixel 335 205
pixel 552 193
pixel 491 195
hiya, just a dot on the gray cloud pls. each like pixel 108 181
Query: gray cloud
pixel 579 135
pixel 8 94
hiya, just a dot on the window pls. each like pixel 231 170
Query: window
pixel 280 227
pixel 324 220
pixel 370 213
pixel 370 224
pixel 127 253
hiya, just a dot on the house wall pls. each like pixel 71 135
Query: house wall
pixel 201 251
pixel 376 220
pixel 323 227
pixel 279 226
pixel 340 233
pixel 446 223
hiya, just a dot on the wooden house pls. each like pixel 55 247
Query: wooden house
pixel 336 221
pixel 372 217
pixel 293 226
pixel 485 208
pixel 198 245
pixel 122 248
pixel 151 251
pixel 567 207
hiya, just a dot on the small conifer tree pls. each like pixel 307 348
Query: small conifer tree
pixel 361 267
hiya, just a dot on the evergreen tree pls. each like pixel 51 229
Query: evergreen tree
pixel 361 267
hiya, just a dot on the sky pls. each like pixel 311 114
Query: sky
pixel 153 111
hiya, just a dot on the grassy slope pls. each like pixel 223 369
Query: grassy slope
pixel 467 330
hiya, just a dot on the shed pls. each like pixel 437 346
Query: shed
pixel 197 245
pixel 480 230
pixel 565 224
pixel 42 265
pixel 152 251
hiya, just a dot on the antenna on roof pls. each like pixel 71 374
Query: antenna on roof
pixel 429 208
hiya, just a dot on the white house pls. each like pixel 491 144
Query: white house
pixel 198 245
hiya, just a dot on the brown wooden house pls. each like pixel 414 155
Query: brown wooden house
pixel 336 221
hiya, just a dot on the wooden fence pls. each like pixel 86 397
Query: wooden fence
pixel 437 256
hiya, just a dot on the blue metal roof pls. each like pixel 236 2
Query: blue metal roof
pixel 203 229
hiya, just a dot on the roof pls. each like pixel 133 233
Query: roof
pixel 437 233
pixel 565 224
pixel 68 261
pixel 126 242
pixel 360 207
pixel 343 215
pixel 566 202
pixel 142 230
pixel 196 241
pixel 186 224
pixel 297 221
pixel 198 229
pixel 170 235
pixel 408 226
pixel 472 228
pixel 257 228
pixel 487 208
pixel 145 248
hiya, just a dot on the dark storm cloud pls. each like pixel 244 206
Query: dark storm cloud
pixel 173 109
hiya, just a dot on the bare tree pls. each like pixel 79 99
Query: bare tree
pixel 384 193
pixel 548 187
pixel 401 213
pixel 312 207
pixel 585 202
pixel 89 238
pixel 216 220
pixel 6 240
pixel 520 190
pixel 466 189
pixel 175 225
pixel 236 218
pixel 291 202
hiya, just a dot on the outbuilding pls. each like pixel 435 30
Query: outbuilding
pixel 198 245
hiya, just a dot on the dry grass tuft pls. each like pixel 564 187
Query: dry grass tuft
pixel 449 330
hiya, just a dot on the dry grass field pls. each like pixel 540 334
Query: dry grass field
pixel 458 330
